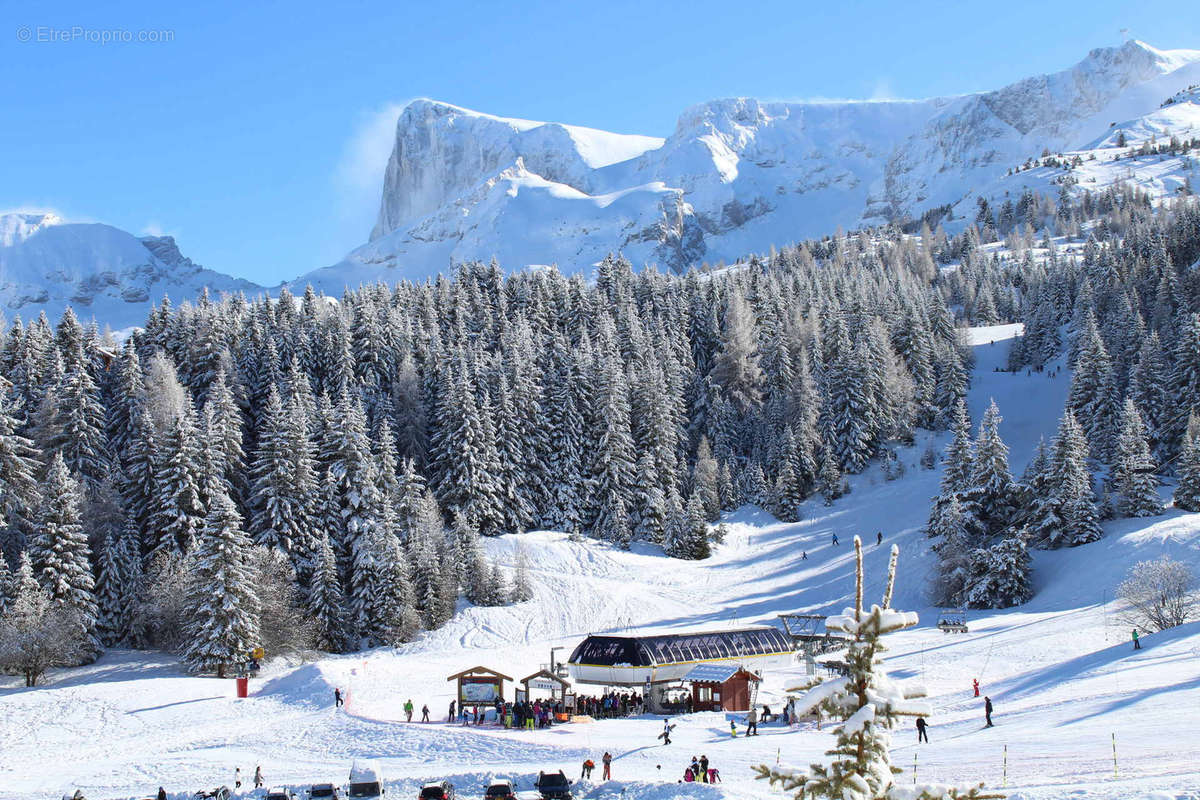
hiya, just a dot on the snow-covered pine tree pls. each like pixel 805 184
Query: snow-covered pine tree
pixel 110 600
pixel 691 540
pixel 222 604
pixel 992 486
pixel 952 534
pixel 614 461
pixel 651 504
pixel 870 704
pixel 1094 397
pixel 705 480
pixel 1000 575
pixel 6 583
pixel 178 512
pixel 1068 515
pixel 59 548
pixel 522 588
pixel 831 483
pixel 1187 493
pixel 20 495
pixel 1133 468
pixel 326 601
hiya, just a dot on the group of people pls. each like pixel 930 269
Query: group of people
pixel 610 705
pixel 237 777
pixel 700 771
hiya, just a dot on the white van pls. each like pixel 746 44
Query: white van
pixel 366 781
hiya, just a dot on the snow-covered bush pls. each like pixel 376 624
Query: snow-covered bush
pixel 1160 594
pixel 37 633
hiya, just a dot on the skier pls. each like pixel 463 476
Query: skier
pixel 666 734
pixel 337 698
pixel 588 766
pixel 606 759
pixel 162 793
pixel 835 540
pixel 976 682
pixel 237 778
pixel 922 736
pixel 804 555
pixel 695 768
pixel 258 778
pixel 987 711
pixel 1136 644
pixel 879 538
pixel 752 723
pixel 704 769
pixel 408 709
pixel 733 729
pixel 451 717
pixel 713 775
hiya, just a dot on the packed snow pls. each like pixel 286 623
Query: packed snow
pixel 1077 711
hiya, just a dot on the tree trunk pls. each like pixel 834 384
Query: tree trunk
pixel 220 670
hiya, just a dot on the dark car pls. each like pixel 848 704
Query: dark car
pixel 500 790
pixel 438 790
pixel 553 786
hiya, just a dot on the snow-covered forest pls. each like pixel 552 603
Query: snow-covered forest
pixel 304 472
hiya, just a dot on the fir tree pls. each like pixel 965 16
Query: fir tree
pixel 1187 493
pixel 1001 575
pixel 222 603
pixel 1133 468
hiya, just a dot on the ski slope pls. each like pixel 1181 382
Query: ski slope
pixel 1060 670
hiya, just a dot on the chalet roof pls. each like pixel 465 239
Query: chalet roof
pixel 545 673
pixel 478 671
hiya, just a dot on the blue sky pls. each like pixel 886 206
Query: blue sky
pixel 257 136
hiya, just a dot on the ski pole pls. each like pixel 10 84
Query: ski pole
pixel 1004 781
pixel 1114 741
pixel 914 769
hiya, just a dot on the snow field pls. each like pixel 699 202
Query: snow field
pixel 1060 669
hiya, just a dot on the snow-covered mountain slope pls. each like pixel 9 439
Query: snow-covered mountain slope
pixel 736 176
pixel 1060 669
pixel 102 272
pixel 1127 152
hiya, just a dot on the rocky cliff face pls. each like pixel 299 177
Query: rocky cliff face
pixel 736 175
pixel 101 271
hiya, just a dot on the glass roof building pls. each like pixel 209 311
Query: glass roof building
pixel 660 658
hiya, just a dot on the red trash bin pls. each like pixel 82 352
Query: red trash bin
pixel 243 687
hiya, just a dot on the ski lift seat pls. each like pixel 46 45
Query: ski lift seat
pixel 953 620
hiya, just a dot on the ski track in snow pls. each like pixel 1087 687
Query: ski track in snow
pixel 1060 669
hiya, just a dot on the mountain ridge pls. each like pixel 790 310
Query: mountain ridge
pixel 737 175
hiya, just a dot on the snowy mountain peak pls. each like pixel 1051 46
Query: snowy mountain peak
pixel 736 175
pixel 105 273
pixel 18 226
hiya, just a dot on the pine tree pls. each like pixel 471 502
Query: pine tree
pixel 1187 493
pixel 1094 398
pixel 831 483
pixel 178 512
pixel 326 601
pixel 222 603
pixel 20 496
pixel 522 589
pixel 705 480
pixel 59 548
pixel 991 482
pixel 110 600
pixel 78 427
pixel 691 542
pixel 870 705
pixel 1068 515
pixel 1001 575
pixel 1133 468
pixel 952 532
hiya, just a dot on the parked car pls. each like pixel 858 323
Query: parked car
pixel 553 786
pixel 366 781
pixel 322 791
pixel 438 790
pixel 279 793
pixel 500 790
pixel 220 793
